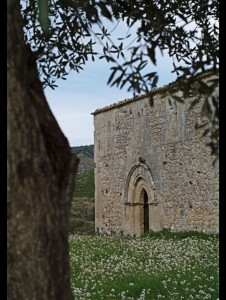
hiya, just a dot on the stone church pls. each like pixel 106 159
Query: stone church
pixel 153 169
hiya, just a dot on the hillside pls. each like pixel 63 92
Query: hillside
pixel 84 185
pixel 86 156
pixel 85 174
pixel 82 210
pixel 87 150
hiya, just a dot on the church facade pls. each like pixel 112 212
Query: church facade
pixel 153 169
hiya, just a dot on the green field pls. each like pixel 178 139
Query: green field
pixel 85 185
pixel 162 265
pixel 156 266
pixel 84 180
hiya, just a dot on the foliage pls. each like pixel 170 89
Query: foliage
pixel 87 150
pixel 188 30
pixel 83 209
pixel 149 267
pixel 81 226
pixel 73 32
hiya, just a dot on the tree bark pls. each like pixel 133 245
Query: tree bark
pixel 40 170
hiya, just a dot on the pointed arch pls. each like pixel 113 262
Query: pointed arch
pixel 139 173
pixel 139 198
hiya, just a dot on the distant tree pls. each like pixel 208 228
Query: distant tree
pixel 45 41
pixel 87 150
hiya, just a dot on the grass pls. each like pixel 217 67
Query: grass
pixel 85 185
pixel 163 265
pixel 83 208
pixel 80 226
pixel 82 216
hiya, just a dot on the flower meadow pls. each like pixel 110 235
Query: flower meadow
pixel 155 266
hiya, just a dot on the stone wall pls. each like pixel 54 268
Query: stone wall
pixel 154 150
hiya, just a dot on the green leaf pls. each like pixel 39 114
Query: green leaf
pixel 104 11
pixel 126 80
pixel 112 74
pixel 43 14
pixel 154 82
pixel 118 80
pixel 151 54
pixel 142 65
pixel 150 75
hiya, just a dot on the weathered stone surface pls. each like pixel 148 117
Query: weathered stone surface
pixel 154 150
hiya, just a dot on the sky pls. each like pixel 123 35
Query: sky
pixel 73 101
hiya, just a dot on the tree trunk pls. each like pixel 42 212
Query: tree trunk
pixel 40 180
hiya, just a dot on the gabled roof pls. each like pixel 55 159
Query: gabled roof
pixel 150 93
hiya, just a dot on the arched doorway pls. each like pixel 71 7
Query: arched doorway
pixel 141 212
pixel 146 211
